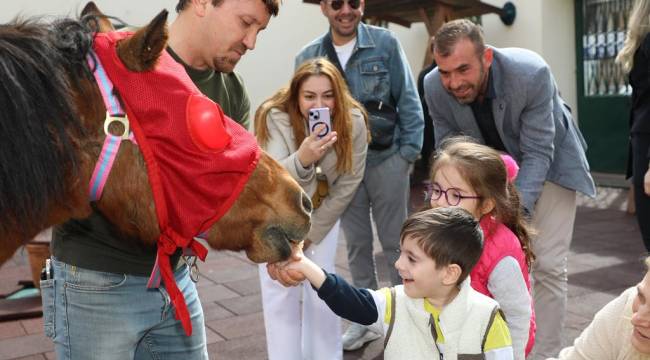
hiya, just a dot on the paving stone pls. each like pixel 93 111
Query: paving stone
pixel 33 326
pixel 11 329
pixel 217 254
pixel 214 311
pixel 33 357
pixel 18 347
pixel 244 304
pixel 248 286
pixel 211 336
pixel 373 350
pixel 234 273
pixel 238 326
pixel 587 305
pixel 213 293
pixel 241 255
pixel 243 348
pixel 223 263
pixel 581 262
pixel 606 278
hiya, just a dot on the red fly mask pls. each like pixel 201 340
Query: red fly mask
pixel 198 160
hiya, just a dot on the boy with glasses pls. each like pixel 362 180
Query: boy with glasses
pixel 378 75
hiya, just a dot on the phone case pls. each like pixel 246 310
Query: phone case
pixel 319 116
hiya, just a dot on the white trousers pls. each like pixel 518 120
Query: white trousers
pixel 554 216
pixel 307 330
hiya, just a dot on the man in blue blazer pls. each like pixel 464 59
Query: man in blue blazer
pixel 508 99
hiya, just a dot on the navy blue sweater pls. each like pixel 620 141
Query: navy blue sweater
pixel 348 302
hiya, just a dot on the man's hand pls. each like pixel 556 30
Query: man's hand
pixel 646 182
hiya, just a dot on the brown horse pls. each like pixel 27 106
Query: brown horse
pixel 51 117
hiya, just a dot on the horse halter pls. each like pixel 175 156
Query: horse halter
pixel 114 113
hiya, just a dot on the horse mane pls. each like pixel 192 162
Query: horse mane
pixel 40 66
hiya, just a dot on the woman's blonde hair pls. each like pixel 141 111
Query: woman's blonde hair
pixel 484 170
pixel 286 100
pixel 638 28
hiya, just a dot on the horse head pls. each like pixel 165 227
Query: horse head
pixel 270 215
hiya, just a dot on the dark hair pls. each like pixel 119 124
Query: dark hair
pixel 273 6
pixel 454 31
pixel 39 61
pixel 484 170
pixel 448 236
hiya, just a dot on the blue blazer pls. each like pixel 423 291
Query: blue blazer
pixel 534 122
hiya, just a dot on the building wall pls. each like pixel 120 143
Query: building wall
pixel 545 26
pixel 264 69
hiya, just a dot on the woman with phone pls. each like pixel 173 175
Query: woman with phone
pixel 319 133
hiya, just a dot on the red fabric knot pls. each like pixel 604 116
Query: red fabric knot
pixel 199 250
pixel 175 295
pixel 166 244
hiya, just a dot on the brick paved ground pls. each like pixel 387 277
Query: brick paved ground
pixel 604 260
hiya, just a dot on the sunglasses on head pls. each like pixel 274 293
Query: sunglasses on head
pixel 338 4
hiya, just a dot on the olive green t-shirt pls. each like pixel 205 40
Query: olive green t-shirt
pixel 226 89
pixel 94 243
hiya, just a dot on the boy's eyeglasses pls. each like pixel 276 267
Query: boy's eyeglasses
pixel 338 4
pixel 452 195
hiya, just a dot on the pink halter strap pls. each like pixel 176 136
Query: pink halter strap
pixel 114 113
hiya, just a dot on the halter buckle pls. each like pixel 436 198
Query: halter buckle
pixel 122 119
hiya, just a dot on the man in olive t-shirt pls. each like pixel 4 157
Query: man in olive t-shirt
pixel 100 277
pixel 226 89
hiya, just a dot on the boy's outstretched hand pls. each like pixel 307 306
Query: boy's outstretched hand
pixel 278 271
pixel 293 271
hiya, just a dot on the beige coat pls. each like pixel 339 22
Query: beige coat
pixel 282 147
pixel 608 337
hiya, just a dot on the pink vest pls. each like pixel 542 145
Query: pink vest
pixel 498 243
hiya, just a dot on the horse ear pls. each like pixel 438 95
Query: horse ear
pixel 141 51
pixel 101 23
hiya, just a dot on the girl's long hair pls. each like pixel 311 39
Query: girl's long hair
pixel 484 170
pixel 286 100
pixel 638 28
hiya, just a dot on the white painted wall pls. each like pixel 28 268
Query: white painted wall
pixel 264 69
pixel 134 12
pixel 546 27
pixel 558 47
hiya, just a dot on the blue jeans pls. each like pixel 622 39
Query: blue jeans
pixel 98 315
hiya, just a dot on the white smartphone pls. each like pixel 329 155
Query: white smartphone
pixel 317 117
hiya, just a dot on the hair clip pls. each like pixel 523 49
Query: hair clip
pixel 511 167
